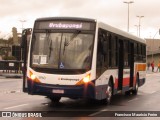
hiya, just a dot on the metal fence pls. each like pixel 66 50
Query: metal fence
pixel 11 66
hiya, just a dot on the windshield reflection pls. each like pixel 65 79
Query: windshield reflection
pixel 62 50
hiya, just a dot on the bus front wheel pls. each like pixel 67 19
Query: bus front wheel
pixel 55 99
pixel 109 93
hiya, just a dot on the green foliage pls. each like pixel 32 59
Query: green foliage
pixel 2 52
pixel 8 58
pixel 6 42
pixel 5 48
pixel 3 42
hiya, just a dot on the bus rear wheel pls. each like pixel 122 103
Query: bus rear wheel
pixel 135 90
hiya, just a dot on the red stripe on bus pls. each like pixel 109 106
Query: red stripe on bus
pixel 126 82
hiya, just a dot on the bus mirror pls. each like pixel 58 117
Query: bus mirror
pixel 24 38
pixel 22 41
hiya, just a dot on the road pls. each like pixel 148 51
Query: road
pixel 13 99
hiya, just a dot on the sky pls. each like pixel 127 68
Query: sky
pixel 112 12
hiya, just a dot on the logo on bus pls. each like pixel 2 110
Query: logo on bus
pixel 42 77
pixel 68 79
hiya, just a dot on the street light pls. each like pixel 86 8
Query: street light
pixel 130 2
pixel 140 23
pixel 136 28
pixel 22 21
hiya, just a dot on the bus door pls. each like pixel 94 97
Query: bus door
pixel 26 33
pixel 131 61
pixel 121 64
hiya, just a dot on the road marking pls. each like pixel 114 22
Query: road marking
pixel 152 92
pixel 133 99
pixel 96 113
pixel 11 91
pixel 15 106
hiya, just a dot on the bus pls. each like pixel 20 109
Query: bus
pixel 83 58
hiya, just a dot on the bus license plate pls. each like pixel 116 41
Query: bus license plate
pixel 58 91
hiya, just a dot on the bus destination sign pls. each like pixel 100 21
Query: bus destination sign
pixel 80 25
pixel 66 26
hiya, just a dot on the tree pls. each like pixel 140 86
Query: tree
pixel 5 48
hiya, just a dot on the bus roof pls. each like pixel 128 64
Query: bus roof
pixel 120 32
pixel 100 24
pixel 66 18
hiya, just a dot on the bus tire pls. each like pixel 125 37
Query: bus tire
pixel 135 90
pixel 55 99
pixel 127 93
pixel 109 94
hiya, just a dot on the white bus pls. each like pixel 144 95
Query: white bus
pixel 83 58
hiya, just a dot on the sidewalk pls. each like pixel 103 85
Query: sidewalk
pixel 150 71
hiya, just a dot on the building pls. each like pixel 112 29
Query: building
pixel 11 47
pixel 153 50
pixel 5 48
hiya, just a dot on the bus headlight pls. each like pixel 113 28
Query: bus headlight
pixel 86 79
pixel 33 77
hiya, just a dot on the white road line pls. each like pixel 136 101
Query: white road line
pixel 133 99
pixel 15 106
pixel 152 92
pixel 96 113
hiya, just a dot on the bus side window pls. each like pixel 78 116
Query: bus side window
pixel 101 53
pixel 104 43
pixel 135 51
pixel 125 53
pixel 110 50
pixel 116 51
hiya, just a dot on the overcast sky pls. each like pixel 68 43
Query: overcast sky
pixel 112 12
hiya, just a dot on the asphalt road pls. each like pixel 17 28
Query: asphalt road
pixel 13 99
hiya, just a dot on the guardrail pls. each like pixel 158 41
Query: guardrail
pixel 11 66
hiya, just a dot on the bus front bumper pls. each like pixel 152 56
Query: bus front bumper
pixel 71 91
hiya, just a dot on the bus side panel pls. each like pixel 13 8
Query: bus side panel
pixel 140 68
pixel 101 83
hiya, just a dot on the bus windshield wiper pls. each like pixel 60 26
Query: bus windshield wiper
pixel 72 38
pixel 67 43
pixel 64 45
pixel 47 36
pixel 49 41
pixel 50 49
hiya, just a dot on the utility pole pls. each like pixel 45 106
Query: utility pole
pixel 137 26
pixel 22 22
pixel 140 24
pixel 128 3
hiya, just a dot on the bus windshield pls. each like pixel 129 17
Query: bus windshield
pixel 62 50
